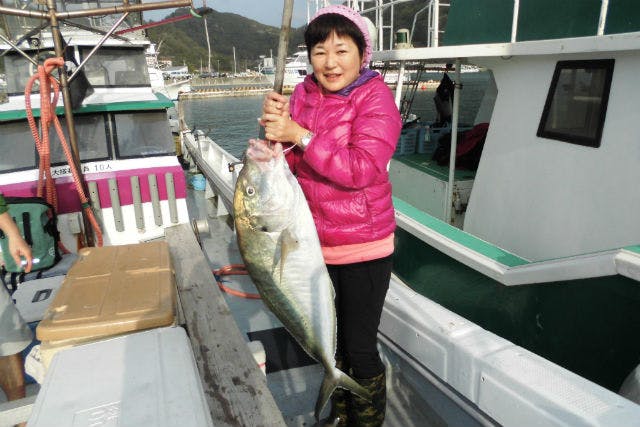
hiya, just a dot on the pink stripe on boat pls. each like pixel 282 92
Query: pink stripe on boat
pixel 68 200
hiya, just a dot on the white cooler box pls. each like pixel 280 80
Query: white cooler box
pixel 143 379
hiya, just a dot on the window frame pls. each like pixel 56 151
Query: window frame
pixel 35 157
pixel 116 142
pixel 84 50
pixel 595 64
pixel 107 133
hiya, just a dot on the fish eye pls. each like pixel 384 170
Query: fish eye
pixel 250 191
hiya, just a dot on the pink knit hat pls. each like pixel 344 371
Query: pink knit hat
pixel 354 17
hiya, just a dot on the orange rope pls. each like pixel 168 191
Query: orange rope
pixel 233 269
pixel 47 118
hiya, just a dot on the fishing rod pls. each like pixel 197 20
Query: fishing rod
pixel 283 45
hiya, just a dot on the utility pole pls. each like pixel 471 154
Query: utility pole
pixel 206 33
pixel 234 61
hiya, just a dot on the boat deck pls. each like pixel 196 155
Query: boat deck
pixel 425 164
pixel 220 325
pixel 291 376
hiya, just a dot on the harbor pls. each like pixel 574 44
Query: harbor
pixel 513 298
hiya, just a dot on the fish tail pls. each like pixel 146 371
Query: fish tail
pixel 333 380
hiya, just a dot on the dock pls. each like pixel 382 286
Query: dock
pixel 234 386
pixel 217 91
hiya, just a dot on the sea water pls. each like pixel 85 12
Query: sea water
pixel 232 121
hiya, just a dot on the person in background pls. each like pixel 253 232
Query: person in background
pixel 15 334
pixel 344 125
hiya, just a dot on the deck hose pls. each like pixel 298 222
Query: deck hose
pixel 230 270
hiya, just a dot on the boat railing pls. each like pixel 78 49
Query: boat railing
pixel 219 167
pixel 508 268
pixel 384 11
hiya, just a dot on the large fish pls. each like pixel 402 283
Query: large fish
pixel 278 241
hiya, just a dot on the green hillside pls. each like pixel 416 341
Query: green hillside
pixel 184 42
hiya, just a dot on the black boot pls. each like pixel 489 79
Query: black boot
pixel 340 402
pixel 369 414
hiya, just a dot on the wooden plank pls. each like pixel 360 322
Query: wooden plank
pixel 235 388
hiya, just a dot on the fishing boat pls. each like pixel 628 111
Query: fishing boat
pixel 125 147
pixel 296 69
pixel 514 298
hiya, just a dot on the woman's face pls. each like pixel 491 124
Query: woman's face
pixel 336 62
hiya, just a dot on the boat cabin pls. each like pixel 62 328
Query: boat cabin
pixel 124 141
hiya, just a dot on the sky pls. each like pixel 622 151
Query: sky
pixel 267 12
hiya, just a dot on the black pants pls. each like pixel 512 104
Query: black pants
pixel 360 292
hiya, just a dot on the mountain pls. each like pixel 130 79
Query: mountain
pixel 184 42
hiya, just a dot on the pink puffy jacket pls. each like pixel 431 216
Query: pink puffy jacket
pixel 343 171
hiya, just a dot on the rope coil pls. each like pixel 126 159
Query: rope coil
pixel 48 116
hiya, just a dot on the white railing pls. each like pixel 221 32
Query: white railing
pixel 219 167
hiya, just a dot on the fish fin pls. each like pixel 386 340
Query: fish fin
pixel 286 244
pixel 348 383
pixel 329 384
pixel 338 379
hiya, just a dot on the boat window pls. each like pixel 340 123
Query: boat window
pixel 21 70
pixel 143 134
pixel 17 147
pixel 110 67
pixel 577 102
pixel 91 136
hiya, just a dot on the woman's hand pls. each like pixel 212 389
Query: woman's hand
pixel 17 246
pixel 275 103
pixel 281 129
pixel 277 122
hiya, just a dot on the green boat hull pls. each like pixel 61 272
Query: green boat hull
pixel 589 326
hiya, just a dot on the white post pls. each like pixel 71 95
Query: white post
pixel 234 61
pixel 399 84
pixel 436 23
pixel 514 23
pixel 602 22
pixel 454 143
pixel 380 24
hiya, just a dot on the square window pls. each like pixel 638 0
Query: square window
pixel 576 105
pixel 91 135
pixel 143 134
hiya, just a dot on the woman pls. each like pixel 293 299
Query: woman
pixel 15 335
pixel 345 125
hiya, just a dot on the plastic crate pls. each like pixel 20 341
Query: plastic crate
pixel 407 142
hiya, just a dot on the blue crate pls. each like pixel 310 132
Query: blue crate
pixel 407 142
